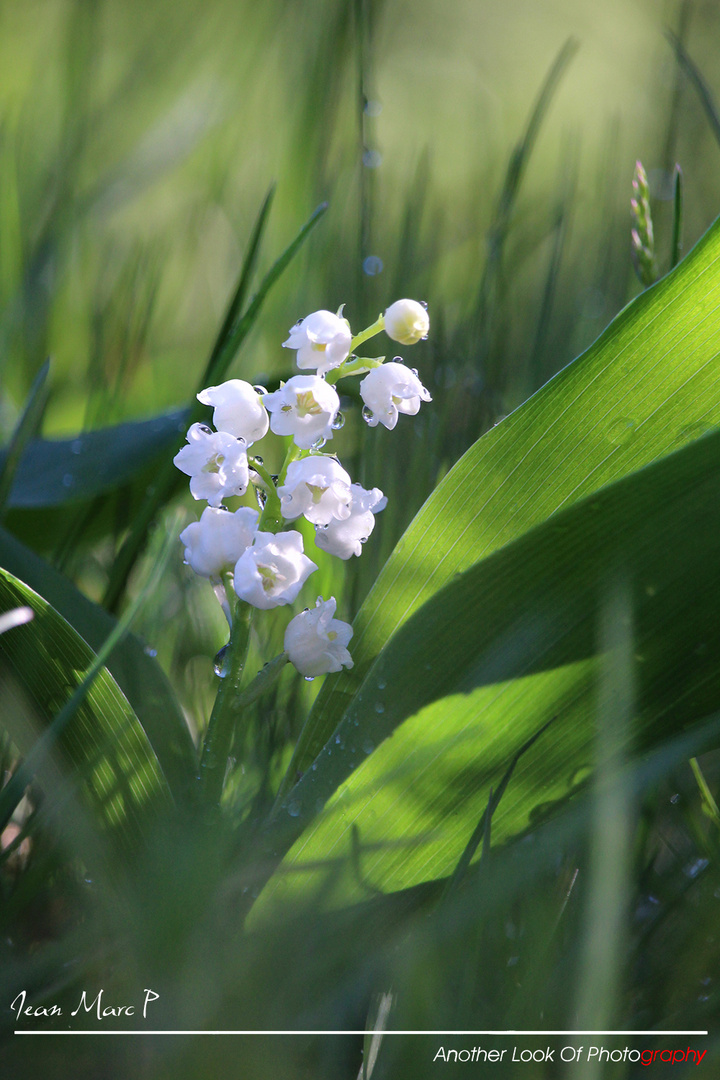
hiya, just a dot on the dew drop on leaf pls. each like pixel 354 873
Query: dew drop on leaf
pixel 621 431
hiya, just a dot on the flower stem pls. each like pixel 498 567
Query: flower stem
pixel 271 518
pixel 371 331
pixel 218 738
pixel 359 366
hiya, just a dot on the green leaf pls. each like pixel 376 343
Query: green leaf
pixel 27 426
pixel 54 472
pixel 508 646
pixel 139 676
pixel 647 386
pixel 104 747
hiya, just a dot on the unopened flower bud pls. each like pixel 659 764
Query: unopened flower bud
pixel 641 236
pixel 406 321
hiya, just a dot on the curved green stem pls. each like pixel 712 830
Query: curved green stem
pixel 358 366
pixel 371 331
pixel 218 738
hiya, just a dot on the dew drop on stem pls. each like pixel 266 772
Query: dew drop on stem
pixel 220 665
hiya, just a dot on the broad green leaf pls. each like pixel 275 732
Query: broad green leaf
pixel 54 472
pixel 104 745
pixel 506 647
pixel 136 672
pixel 648 385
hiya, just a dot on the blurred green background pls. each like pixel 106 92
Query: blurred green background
pixel 137 142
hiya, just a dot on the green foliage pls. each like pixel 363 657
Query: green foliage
pixel 491 821
pixel 103 746
pixel 647 386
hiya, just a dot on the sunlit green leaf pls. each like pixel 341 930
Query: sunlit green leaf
pixel 506 647
pixel 648 386
pixel 132 665
pixel 104 749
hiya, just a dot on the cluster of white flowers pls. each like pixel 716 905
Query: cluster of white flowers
pixel 269 566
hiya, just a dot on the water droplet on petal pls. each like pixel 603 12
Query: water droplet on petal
pixel 207 430
pixel 260 390
pixel 318 444
pixel 368 415
pixel 423 303
pixel 338 422
pixel 309 678
pixel 258 459
pixel 220 663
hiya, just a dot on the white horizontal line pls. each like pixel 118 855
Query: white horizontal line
pixel 117 1031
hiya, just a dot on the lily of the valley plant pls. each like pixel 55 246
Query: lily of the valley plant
pixel 255 559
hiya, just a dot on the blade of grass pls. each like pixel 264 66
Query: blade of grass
pixel 701 87
pixel 224 339
pixel 25 429
pixel 676 248
pixel 519 158
pixel 482 828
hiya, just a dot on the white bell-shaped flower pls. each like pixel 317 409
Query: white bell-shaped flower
pixel 345 538
pixel 390 389
pixel 273 570
pixel 216 463
pixel 407 321
pixel 316 643
pixel 304 407
pixel 317 487
pixel 322 341
pixel 238 409
pixel 215 543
